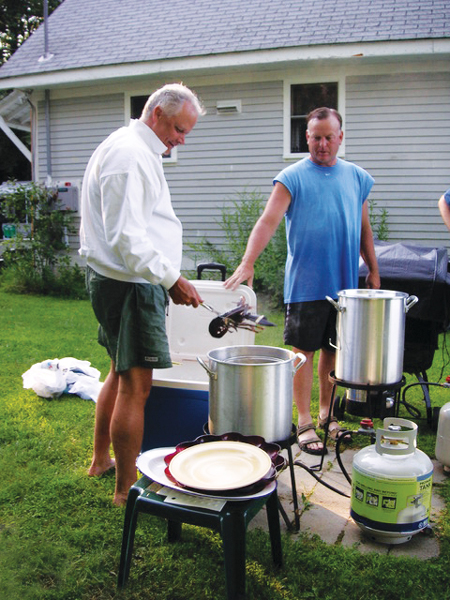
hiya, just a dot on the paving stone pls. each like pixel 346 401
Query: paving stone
pixel 439 475
pixel 423 545
pixel 326 513
pixel 320 520
pixel 354 537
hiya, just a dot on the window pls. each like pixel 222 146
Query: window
pixel 137 103
pixel 304 98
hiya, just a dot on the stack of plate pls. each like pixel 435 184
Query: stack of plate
pixel 230 466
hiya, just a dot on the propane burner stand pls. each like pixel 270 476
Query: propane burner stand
pixel 373 391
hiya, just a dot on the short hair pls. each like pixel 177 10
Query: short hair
pixel 324 113
pixel 171 98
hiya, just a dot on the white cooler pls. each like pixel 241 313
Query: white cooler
pixel 177 407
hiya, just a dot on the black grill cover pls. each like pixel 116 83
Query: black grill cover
pixel 417 270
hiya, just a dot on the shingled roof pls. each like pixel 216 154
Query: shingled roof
pixel 93 33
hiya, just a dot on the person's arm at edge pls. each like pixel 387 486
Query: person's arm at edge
pixel 367 251
pixel 444 209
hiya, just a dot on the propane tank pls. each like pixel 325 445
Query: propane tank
pixel 391 484
pixel 442 450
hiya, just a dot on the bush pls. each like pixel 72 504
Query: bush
pixel 378 222
pixel 36 257
pixel 237 223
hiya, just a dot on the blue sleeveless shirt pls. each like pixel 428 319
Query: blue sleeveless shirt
pixel 323 228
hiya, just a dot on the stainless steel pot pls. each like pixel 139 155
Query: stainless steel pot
pixel 370 331
pixel 251 390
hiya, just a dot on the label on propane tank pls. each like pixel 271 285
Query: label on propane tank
pixel 391 504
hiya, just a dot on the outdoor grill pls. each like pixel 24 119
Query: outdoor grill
pixel 421 271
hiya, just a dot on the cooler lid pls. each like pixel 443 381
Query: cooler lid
pixel 189 337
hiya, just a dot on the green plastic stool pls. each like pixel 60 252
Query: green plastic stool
pixel 231 522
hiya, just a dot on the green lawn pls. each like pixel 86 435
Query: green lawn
pixel 60 535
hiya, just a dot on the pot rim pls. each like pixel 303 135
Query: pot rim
pixel 366 294
pixel 279 356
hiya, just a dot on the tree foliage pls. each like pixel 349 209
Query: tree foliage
pixel 18 20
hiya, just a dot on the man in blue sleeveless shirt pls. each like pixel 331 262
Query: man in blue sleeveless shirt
pixel 323 199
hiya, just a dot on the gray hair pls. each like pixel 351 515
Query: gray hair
pixel 171 98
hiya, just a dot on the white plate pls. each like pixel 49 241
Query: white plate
pixel 220 466
pixel 151 464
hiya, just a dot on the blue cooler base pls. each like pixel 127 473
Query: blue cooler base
pixel 173 415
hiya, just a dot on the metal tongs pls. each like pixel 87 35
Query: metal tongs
pixel 238 317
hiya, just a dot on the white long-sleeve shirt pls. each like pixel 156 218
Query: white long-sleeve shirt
pixel 129 230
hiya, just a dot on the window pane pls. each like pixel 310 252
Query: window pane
pixel 137 105
pixel 304 99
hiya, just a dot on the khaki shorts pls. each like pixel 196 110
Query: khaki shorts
pixel 310 326
pixel 132 321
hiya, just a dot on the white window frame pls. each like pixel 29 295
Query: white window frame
pixel 173 158
pixel 339 79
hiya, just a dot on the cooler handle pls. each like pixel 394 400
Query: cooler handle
pixel 211 267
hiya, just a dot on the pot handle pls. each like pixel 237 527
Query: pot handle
pixel 207 369
pixel 333 345
pixel 301 362
pixel 335 304
pixel 410 301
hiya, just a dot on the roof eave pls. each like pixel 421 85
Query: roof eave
pixel 269 58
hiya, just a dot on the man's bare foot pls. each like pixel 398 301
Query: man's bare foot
pixel 120 498
pixel 96 470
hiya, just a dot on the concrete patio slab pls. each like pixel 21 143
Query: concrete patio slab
pixel 326 513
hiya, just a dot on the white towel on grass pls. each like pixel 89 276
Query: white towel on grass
pixel 53 377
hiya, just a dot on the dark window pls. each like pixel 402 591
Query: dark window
pixel 304 99
pixel 137 105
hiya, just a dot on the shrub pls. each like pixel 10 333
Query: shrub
pixel 36 257
pixel 237 223
pixel 378 221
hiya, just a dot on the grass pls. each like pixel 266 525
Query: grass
pixel 60 535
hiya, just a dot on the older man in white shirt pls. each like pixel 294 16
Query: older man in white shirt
pixel 132 241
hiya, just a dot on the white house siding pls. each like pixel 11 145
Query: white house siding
pixel 78 125
pixel 227 154
pixel 398 128
pixel 224 155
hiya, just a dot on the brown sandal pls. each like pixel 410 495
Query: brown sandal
pixel 335 433
pixel 315 439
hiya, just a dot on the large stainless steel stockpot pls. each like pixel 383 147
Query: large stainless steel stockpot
pixel 251 390
pixel 370 331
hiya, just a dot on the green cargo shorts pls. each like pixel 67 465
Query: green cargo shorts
pixel 132 321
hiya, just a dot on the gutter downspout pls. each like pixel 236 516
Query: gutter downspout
pixel 33 138
pixel 48 137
